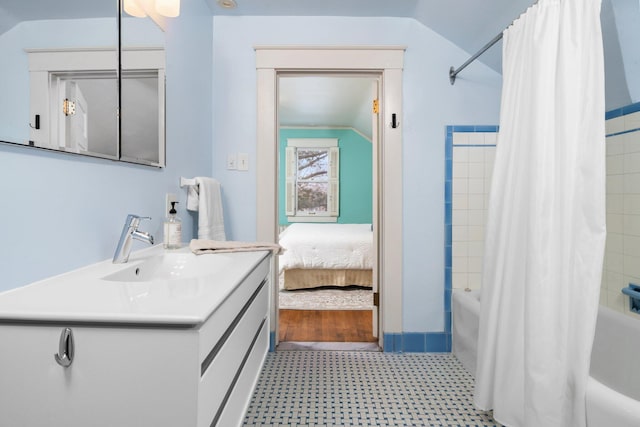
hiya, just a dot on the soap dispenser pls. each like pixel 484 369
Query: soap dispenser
pixel 172 229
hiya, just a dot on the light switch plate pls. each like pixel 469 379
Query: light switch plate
pixel 243 161
pixel 231 162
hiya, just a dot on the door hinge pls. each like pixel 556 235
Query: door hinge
pixel 68 107
pixel 376 299
pixel 376 106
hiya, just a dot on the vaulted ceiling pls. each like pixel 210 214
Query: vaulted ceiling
pixel 326 101
pixel 466 23
pixel 470 24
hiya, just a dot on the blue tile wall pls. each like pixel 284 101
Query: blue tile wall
pixel 397 342
pixel 418 342
pixel 272 341
pixel 392 343
pixel 439 342
pixel 448 191
pixel 484 129
pixel 619 112
pixel 628 109
pixel 623 132
pixel 414 342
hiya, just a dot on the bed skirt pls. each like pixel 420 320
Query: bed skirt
pixel 302 278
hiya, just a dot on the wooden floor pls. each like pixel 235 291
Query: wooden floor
pixel 326 325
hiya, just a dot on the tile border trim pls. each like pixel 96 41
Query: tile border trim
pixel 622 111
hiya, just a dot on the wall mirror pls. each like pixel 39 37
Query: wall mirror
pixel 62 91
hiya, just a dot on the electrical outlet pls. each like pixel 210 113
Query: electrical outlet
pixel 232 162
pixel 243 161
pixel 170 197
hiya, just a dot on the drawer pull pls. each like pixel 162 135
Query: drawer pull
pixel 64 357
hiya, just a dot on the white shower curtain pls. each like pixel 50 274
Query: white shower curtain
pixel 546 226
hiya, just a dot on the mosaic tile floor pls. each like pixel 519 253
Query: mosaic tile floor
pixel 344 388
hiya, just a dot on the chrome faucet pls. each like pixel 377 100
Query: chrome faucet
pixel 129 232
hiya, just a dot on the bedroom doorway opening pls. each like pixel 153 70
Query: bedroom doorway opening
pixel 327 209
pixel 387 63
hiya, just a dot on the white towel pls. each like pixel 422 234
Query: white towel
pixel 192 198
pixel 200 247
pixel 205 197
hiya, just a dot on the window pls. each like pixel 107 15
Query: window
pixel 312 174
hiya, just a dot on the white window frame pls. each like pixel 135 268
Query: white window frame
pixel 333 180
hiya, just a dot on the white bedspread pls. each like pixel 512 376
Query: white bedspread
pixel 329 246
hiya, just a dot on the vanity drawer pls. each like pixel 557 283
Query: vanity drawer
pixel 221 372
pixel 215 327
pixel 122 377
pixel 234 411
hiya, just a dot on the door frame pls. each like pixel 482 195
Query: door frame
pixel 388 61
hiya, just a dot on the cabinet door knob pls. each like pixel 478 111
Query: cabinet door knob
pixel 64 357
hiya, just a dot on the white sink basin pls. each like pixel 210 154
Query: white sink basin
pixel 178 265
pixel 156 286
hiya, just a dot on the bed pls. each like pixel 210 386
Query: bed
pixel 326 255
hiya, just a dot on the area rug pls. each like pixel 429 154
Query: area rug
pixel 327 298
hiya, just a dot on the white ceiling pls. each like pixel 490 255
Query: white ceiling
pixel 322 101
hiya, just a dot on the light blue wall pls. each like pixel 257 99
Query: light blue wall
pixel 626 15
pixel 59 212
pixel 615 79
pixel 429 104
pixel 356 179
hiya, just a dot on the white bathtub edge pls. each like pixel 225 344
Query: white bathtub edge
pixel 465 307
pixel 606 407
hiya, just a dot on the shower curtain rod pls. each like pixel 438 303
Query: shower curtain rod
pixel 454 72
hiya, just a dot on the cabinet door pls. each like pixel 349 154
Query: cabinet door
pixel 118 377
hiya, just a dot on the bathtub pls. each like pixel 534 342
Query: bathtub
pixel 613 389
pixel 465 311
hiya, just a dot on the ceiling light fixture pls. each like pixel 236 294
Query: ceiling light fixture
pixel 168 8
pixel 131 7
pixel 228 4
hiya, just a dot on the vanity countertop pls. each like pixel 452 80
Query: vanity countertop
pixel 185 292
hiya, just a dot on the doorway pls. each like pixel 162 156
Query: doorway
pixel 327 179
pixel 387 61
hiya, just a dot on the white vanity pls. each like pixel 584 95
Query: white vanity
pixel 168 339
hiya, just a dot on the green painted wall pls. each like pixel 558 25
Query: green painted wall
pixel 356 162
